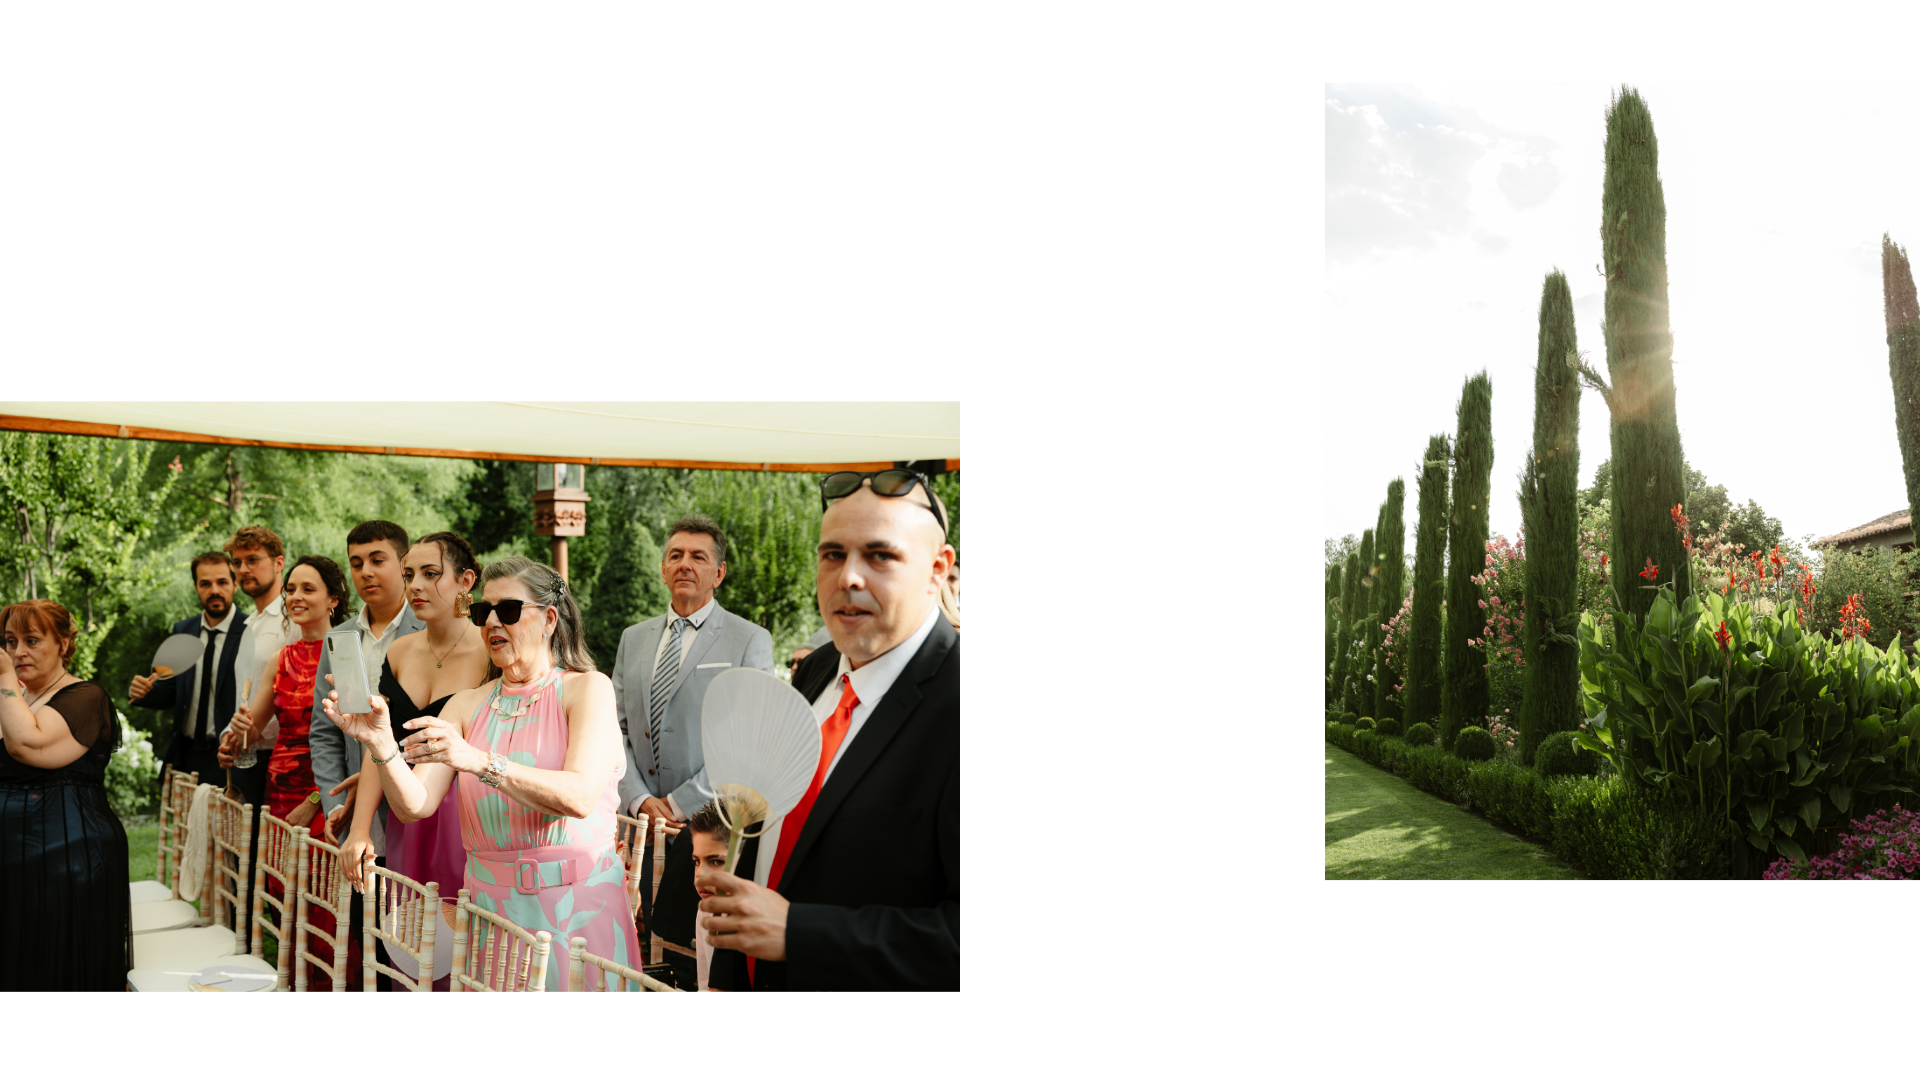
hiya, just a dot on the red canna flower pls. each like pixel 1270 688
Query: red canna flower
pixel 1652 571
pixel 1778 562
pixel 1722 636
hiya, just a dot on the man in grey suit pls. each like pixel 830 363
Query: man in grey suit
pixel 375 550
pixel 660 679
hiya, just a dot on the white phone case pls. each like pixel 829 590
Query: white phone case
pixel 349 668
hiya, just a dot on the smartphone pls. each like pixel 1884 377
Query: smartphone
pixel 349 669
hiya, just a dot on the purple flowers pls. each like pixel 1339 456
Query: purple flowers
pixel 1883 846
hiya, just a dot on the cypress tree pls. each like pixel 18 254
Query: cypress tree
pixel 1390 554
pixel 1550 511
pixel 1903 357
pixel 1360 660
pixel 1466 693
pixel 1343 629
pixel 1649 478
pixel 1333 617
pixel 1420 702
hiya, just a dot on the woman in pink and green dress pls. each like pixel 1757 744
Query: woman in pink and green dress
pixel 537 758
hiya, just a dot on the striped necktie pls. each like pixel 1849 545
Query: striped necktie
pixel 664 673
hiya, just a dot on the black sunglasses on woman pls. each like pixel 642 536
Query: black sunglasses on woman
pixel 509 611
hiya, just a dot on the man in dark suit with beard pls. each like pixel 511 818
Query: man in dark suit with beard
pixel 861 882
pixel 202 699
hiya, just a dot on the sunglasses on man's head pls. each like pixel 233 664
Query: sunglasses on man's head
pixel 509 610
pixel 891 483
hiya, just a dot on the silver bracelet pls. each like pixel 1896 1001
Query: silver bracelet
pixel 383 761
pixel 496 764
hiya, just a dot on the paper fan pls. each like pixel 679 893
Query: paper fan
pixel 760 746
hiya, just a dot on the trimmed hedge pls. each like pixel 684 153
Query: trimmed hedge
pixel 1560 755
pixel 1474 744
pixel 1387 725
pixel 1599 824
pixel 1365 723
pixel 1420 735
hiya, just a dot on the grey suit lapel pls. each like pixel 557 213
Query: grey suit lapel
pixel 702 645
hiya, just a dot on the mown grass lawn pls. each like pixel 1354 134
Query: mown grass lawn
pixel 143 845
pixel 1380 826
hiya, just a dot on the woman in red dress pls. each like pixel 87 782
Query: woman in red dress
pixel 316 600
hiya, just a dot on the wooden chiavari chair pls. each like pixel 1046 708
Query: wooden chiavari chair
pixel 630 843
pixel 161 887
pixel 490 953
pixel 279 859
pixel 607 974
pixel 319 883
pixel 163 961
pixel 408 917
pixel 176 912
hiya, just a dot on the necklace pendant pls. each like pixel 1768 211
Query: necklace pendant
pixel 436 663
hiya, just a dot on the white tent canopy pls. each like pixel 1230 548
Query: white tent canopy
pixel 787 436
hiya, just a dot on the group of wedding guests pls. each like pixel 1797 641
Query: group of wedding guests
pixel 496 755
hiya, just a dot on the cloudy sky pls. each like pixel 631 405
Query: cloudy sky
pixel 1446 205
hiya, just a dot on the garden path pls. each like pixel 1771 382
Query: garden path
pixel 1380 826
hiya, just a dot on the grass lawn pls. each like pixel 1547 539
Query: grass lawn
pixel 1380 826
pixel 143 843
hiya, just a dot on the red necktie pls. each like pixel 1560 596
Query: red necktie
pixel 832 733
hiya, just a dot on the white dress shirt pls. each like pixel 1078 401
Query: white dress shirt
pixel 374 647
pixel 694 622
pixel 870 685
pixel 267 630
pixel 195 722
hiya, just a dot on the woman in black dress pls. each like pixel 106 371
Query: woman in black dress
pixel 64 908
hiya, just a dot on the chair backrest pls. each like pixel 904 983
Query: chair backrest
pixel 408 914
pixel 630 843
pixel 175 798
pixel 655 943
pixel 490 953
pixel 232 862
pixel 163 850
pixel 607 974
pixel 321 885
pixel 279 859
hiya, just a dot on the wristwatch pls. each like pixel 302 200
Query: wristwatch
pixel 495 765
pixel 314 796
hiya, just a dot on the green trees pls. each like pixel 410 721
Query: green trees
pixel 1903 357
pixel 1333 627
pixel 1466 694
pixel 1389 587
pixel 1420 701
pixel 1360 664
pixel 78 515
pixel 1550 512
pixel 1343 649
pixel 1648 475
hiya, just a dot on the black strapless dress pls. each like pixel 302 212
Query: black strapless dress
pixel 65 915
pixel 429 849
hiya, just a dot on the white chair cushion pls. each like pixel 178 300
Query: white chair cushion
pixel 164 915
pixel 185 950
pixel 167 978
pixel 147 892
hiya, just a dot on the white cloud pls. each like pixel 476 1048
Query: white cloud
pixel 1393 188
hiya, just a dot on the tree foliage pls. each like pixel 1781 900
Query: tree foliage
pixel 1390 544
pixel 1902 308
pixel 1355 694
pixel 76 522
pixel 1648 475
pixel 1466 695
pixel 1550 510
pixel 1420 702
pixel 1350 593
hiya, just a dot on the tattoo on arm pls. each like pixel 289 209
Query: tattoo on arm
pixel 8 693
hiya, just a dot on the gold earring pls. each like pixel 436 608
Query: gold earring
pixel 462 609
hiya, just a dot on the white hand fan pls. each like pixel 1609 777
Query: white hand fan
pixel 760 746
pixel 177 654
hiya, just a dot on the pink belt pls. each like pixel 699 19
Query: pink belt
pixel 535 869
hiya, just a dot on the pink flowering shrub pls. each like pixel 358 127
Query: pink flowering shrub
pixel 1393 642
pixel 1506 738
pixel 1883 845
pixel 1502 596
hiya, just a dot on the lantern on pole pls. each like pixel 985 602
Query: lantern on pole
pixel 560 506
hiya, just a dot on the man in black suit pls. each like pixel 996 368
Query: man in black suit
pixel 203 698
pixel 861 886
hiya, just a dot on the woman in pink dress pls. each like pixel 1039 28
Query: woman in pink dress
pixel 536 758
